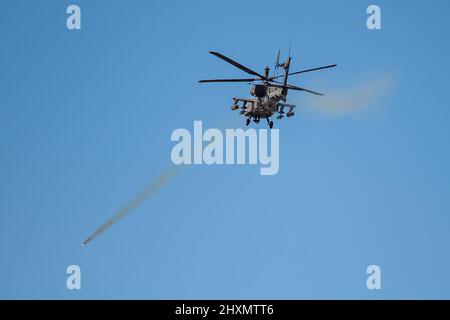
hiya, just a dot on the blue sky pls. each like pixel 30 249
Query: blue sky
pixel 85 124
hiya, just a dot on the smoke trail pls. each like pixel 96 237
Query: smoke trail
pixel 162 179
pixel 351 100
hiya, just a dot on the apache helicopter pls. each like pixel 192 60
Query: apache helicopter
pixel 269 93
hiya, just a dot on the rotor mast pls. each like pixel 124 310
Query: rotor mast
pixel 266 73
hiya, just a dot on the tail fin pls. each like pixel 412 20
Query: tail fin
pixel 286 66
pixel 277 64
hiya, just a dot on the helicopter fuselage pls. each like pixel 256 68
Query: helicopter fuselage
pixel 266 101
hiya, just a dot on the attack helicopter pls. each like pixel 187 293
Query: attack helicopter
pixel 270 92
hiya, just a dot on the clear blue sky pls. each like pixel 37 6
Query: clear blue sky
pixel 85 124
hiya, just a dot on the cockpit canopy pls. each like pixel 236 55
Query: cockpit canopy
pixel 258 90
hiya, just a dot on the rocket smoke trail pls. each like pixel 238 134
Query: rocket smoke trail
pixel 162 179
pixel 159 182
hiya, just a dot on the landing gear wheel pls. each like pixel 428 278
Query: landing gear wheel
pixel 271 124
pixel 247 122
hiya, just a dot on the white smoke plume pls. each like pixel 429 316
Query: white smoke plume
pixel 363 95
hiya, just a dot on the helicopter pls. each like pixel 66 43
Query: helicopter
pixel 269 94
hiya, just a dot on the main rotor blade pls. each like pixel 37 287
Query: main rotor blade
pixel 291 87
pixel 308 70
pixel 313 69
pixel 228 80
pixel 236 64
